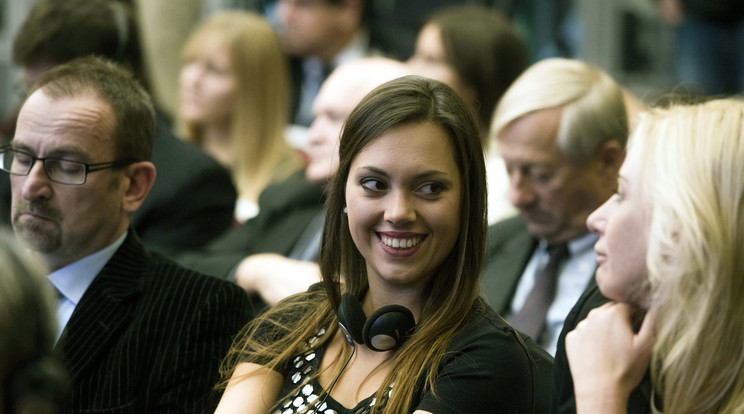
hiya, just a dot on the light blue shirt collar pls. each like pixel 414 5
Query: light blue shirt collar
pixel 74 279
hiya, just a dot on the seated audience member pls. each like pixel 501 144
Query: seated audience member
pixel 273 255
pixel 669 244
pixel 402 242
pixel 477 52
pixel 137 333
pixel 234 101
pixel 561 129
pixel 319 35
pixel 32 379
pixel 193 198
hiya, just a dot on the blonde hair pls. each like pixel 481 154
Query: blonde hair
pixel 593 105
pixel 691 162
pixel 261 154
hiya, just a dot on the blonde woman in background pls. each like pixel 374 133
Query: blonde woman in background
pixel 234 101
pixel 670 243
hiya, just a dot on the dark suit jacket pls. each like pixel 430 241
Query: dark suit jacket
pixel 509 247
pixel 148 336
pixel 563 392
pixel 192 200
pixel 285 210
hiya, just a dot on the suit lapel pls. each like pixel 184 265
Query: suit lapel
pixel 106 308
pixel 505 265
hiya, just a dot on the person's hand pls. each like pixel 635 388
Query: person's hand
pixel 607 359
pixel 274 277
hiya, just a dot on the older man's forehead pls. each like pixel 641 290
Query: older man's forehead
pixel 351 82
pixel 66 123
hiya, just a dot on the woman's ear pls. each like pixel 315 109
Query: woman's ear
pixel 141 176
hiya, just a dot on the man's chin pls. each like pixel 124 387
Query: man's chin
pixel 542 231
pixel 37 239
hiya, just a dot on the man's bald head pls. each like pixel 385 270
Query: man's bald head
pixel 338 96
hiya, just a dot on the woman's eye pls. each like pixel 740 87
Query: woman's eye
pixel 218 70
pixel 431 188
pixel 373 184
pixel 541 176
pixel 619 196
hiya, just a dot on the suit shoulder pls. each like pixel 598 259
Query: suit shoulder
pixel 508 232
pixel 167 274
pixel 293 190
pixel 509 226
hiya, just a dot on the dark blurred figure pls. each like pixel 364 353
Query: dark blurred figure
pixel 193 197
pixel 709 50
pixel 32 380
pixel 319 35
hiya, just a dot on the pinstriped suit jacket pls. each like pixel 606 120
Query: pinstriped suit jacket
pixel 148 336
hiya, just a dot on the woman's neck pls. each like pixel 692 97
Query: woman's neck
pixel 216 142
pixel 379 296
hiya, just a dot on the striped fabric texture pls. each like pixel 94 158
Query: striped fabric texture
pixel 148 336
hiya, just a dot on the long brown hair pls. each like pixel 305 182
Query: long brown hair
pixel 450 294
pixel 485 50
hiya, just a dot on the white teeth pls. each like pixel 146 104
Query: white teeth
pixel 400 243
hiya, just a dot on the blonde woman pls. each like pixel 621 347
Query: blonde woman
pixel 670 243
pixel 234 101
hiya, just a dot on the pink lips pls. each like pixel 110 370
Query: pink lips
pixel 601 257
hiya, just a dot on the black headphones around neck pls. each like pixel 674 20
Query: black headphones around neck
pixel 387 328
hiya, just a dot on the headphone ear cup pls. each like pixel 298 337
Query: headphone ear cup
pixel 351 318
pixel 388 327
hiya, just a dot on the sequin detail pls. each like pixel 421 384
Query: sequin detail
pixel 307 399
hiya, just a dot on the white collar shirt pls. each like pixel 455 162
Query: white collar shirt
pixel 74 279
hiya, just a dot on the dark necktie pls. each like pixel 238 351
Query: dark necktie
pixel 531 318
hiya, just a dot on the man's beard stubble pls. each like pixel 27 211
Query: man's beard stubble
pixel 37 237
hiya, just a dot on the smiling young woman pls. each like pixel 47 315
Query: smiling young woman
pixel 403 243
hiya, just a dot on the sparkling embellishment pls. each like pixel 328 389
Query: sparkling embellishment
pixel 304 400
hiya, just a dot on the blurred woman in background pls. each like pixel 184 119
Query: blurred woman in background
pixel 477 52
pixel 234 101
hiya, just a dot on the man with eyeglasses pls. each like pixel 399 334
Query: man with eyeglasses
pixel 137 332
pixel 193 199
